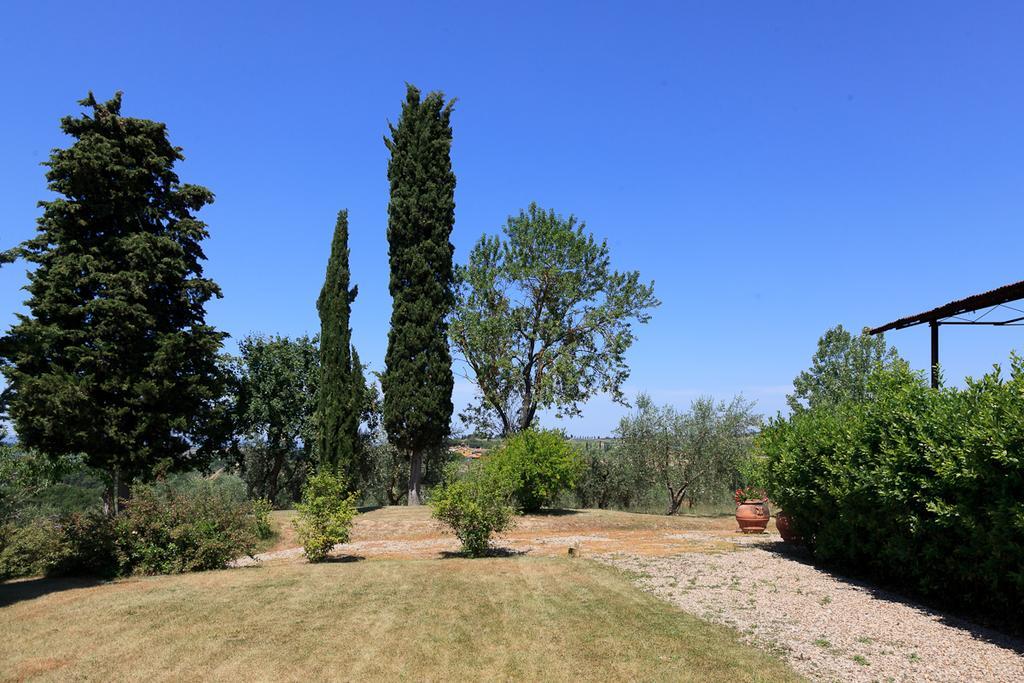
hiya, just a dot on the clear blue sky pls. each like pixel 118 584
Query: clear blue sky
pixel 774 167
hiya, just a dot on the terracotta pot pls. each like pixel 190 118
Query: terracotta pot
pixel 784 523
pixel 753 516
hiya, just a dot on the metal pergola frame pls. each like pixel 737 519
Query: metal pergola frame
pixel 954 313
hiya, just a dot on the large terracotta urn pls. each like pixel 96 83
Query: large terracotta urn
pixel 753 516
pixel 784 523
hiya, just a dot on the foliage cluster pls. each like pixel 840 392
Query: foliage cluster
pixel 694 454
pixel 610 477
pixel 914 486
pixel 72 544
pixel 537 464
pixel 325 513
pixel 164 528
pixel 475 503
pixel 543 321
pixel 168 530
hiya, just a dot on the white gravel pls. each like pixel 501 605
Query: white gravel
pixel 829 629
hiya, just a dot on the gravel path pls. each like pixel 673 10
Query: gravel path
pixel 829 629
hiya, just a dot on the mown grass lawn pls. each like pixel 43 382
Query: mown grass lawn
pixel 453 619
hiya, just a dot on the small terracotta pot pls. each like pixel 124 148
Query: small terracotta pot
pixel 784 523
pixel 753 516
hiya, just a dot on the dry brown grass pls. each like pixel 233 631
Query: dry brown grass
pixel 410 533
pixel 494 619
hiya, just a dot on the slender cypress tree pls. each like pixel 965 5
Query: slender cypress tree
pixel 417 380
pixel 340 395
pixel 114 358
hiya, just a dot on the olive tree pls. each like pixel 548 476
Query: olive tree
pixel 692 454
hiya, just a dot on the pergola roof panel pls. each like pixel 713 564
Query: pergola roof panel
pixel 993 297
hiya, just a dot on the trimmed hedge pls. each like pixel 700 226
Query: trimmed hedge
pixel 917 487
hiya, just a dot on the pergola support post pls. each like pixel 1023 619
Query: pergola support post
pixel 934 325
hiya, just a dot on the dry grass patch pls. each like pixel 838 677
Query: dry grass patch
pixel 409 533
pixel 494 619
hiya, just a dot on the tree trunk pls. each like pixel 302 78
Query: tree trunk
pixel 675 500
pixel 415 475
pixel 114 497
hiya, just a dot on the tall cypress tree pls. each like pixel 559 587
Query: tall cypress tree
pixel 340 395
pixel 114 358
pixel 417 380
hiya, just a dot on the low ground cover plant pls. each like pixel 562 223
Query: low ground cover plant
pixel 325 514
pixel 475 503
pixel 915 486
pixel 537 464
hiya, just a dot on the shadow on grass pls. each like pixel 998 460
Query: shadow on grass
pixel 30 589
pixel 1001 632
pixel 553 512
pixel 340 559
pixel 491 552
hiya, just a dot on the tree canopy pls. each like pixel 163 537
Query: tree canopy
pixel 114 358
pixel 417 380
pixel 277 399
pixel 543 321
pixel 840 369
pixel 691 454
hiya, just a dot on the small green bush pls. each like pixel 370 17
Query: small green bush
pixel 475 505
pixel 325 514
pixel 538 464
pixel 34 549
pixel 70 545
pixel 165 530
pixel 261 509
pixel 915 486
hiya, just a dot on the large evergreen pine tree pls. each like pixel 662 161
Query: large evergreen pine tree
pixel 340 393
pixel 114 358
pixel 417 380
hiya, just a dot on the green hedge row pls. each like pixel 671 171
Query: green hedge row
pixel 918 487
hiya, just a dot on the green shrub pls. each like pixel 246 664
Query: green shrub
pixel 325 514
pixel 538 464
pixel 915 486
pixel 475 505
pixel 31 550
pixel 71 545
pixel 166 530
pixel 261 509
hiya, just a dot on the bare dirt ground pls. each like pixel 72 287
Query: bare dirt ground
pixel 827 627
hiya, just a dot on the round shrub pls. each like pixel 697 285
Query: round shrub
pixel 538 465
pixel 325 514
pixel 475 505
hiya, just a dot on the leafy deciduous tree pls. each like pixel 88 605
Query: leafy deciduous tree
pixel 114 358
pixel 277 401
pixel 840 369
pixel 417 381
pixel 543 321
